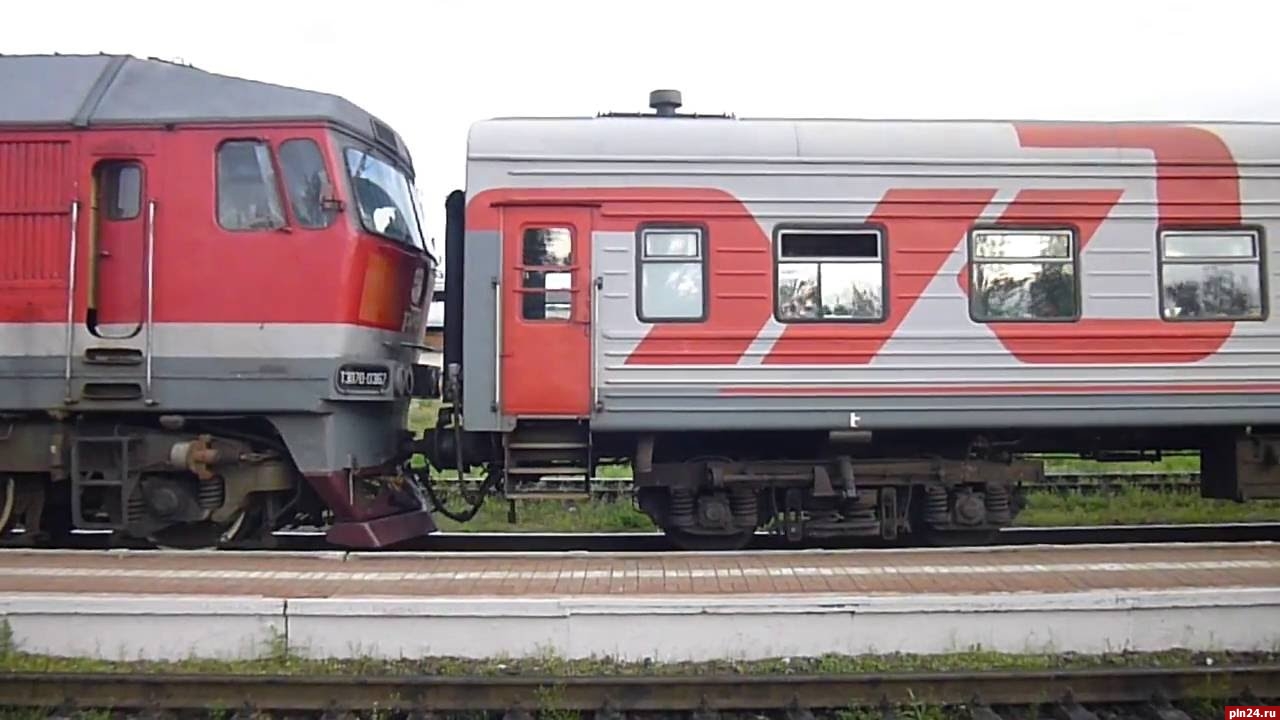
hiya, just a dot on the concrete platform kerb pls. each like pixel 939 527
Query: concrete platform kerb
pixel 635 628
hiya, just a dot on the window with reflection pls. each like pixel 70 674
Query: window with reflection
pixel 384 198
pixel 248 192
pixel 672 283
pixel 547 290
pixel 1023 275
pixel 120 187
pixel 830 275
pixel 1210 275
pixel 307 181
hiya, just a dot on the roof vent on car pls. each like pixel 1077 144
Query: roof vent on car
pixel 665 102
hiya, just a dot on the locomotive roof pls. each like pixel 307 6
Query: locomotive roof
pixel 727 139
pixel 95 90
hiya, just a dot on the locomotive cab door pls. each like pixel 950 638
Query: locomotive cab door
pixel 118 245
pixel 546 317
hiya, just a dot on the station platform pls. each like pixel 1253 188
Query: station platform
pixel 665 607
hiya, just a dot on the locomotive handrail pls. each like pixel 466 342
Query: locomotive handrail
pixel 151 274
pixel 71 299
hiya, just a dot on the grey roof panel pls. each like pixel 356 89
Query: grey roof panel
pixel 120 89
pixel 654 139
pixel 34 90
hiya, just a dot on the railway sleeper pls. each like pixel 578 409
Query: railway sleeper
pixel 719 503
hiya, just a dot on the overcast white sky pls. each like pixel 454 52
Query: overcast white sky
pixel 432 68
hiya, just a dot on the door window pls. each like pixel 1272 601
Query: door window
pixel 120 185
pixel 547 289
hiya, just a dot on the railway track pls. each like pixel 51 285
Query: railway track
pixel 616 488
pixel 313 541
pixel 985 693
pixel 1076 483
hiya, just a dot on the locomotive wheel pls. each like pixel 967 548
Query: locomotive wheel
pixel 960 538
pixel 250 524
pixel 201 535
pixel 8 502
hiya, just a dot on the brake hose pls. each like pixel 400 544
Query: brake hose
pixel 475 503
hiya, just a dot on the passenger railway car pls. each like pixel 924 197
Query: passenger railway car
pixel 857 328
pixel 212 292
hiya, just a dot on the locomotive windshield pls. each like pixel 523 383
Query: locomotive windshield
pixel 385 198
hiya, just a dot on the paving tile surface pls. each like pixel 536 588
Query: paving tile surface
pixel 906 572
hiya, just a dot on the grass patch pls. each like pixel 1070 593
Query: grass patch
pixel 1140 506
pixel 1175 464
pixel 546 516
pixel 1130 506
pixel 422 414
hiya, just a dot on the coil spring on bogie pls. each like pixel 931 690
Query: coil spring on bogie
pixel 936 507
pixel 210 493
pixel 998 503
pixel 745 505
pixel 137 509
pixel 861 511
pixel 682 503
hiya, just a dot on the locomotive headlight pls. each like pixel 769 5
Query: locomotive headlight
pixel 419 286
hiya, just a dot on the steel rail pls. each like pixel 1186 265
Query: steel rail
pixel 1082 483
pixel 654 541
pixel 657 542
pixel 631 693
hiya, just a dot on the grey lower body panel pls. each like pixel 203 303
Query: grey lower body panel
pixel 676 412
pixel 324 429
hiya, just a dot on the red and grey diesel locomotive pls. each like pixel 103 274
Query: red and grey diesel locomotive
pixel 857 328
pixel 212 295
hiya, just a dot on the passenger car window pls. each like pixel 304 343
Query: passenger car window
pixel 1211 275
pixel 248 194
pixel 830 275
pixel 547 292
pixel 671 283
pixel 307 181
pixel 1023 275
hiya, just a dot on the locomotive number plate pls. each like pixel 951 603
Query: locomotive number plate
pixel 363 378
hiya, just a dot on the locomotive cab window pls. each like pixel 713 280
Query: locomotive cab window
pixel 1022 275
pixel 307 182
pixel 248 193
pixel 546 285
pixel 830 275
pixel 672 279
pixel 1214 275
pixel 385 198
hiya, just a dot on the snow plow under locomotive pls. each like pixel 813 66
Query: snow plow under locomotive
pixel 213 297
pixel 212 292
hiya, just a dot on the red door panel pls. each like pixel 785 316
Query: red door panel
pixel 119 261
pixel 546 327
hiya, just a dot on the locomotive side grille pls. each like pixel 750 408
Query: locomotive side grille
pixel 34 210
